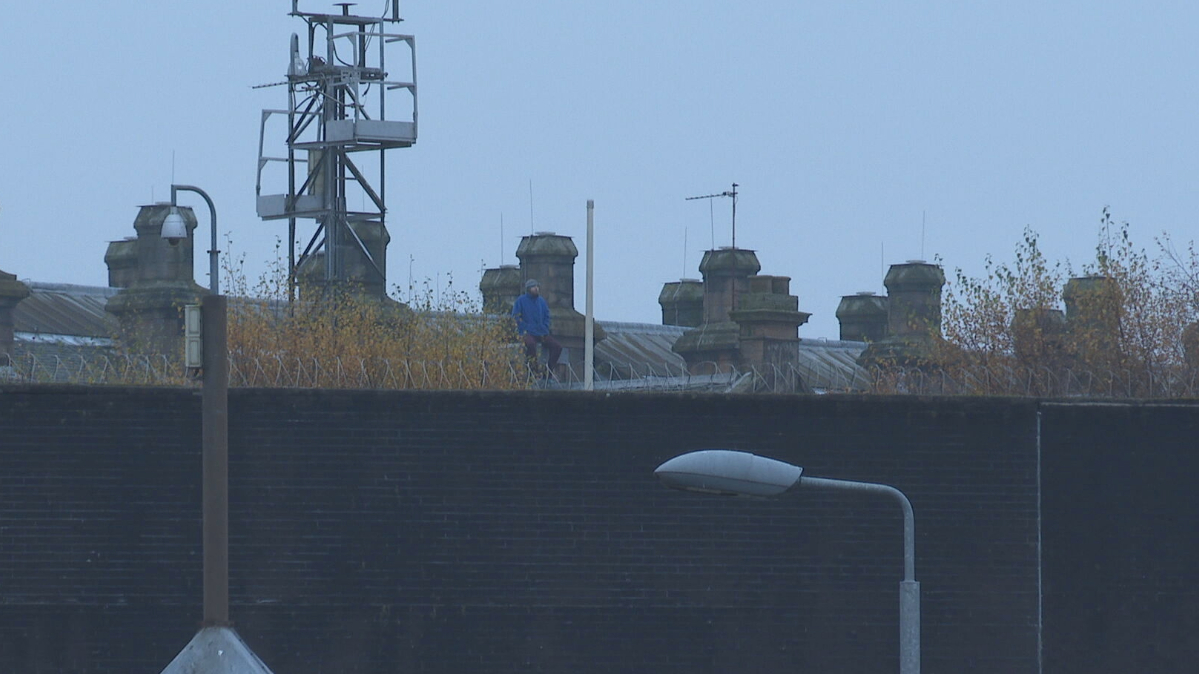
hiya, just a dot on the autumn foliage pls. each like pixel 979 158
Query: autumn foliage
pixel 1117 325
pixel 339 337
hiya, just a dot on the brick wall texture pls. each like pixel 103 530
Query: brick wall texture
pixel 525 532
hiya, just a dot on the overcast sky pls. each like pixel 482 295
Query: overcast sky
pixel 845 123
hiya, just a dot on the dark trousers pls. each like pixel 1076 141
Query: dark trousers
pixel 552 348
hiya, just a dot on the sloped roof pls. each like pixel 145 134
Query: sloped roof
pixel 635 351
pixel 65 309
pixel 61 324
pixel 829 365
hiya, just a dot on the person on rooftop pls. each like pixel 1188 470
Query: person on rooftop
pixel 532 316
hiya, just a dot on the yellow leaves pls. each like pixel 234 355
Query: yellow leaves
pixel 1124 317
pixel 339 337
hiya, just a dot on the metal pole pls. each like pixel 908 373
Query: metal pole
pixel 589 326
pixel 909 589
pixel 734 195
pixel 214 284
pixel 215 423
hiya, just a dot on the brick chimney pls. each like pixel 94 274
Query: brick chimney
pixel 500 286
pixel 12 291
pixel 749 321
pixel 1190 345
pixel 1038 335
pixel 121 258
pixel 1094 309
pixel 863 317
pixel 768 318
pixel 682 302
pixel 550 259
pixel 716 343
pixel 913 315
pixel 725 271
pixel 158 282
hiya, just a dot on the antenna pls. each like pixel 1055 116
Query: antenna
pixel 337 127
pixel 711 221
pixel 531 206
pixel 684 253
pixel 501 238
pixel 922 214
pixel 732 194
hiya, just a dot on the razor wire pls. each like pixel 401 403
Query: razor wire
pixel 278 371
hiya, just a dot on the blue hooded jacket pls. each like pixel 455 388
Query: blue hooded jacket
pixel 532 315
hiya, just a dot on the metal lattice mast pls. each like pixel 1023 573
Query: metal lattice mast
pixel 337 107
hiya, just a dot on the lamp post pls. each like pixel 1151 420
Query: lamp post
pixel 175 230
pixel 723 471
pixel 216 647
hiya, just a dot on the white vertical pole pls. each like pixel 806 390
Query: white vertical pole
pixel 589 330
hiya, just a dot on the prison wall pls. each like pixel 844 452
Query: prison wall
pixel 1121 543
pixel 506 532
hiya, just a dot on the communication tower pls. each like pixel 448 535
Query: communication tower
pixel 338 91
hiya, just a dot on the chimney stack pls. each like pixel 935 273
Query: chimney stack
pixel 913 315
pixel 725 272
pixel 1190 345
pixel 159 282
pixel 1094 309
pixel 768 318
pixel 863 317
pixel 749 320
pixel 500 287
pixel 12 291
pixel 914 299
pixel 121 258
pixel 682 303
pixel 1038 334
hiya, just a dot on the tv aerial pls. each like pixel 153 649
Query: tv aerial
pixel 732 194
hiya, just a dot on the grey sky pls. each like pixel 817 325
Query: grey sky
pixel 842 121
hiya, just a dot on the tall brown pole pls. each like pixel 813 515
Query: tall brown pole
pixel 215 396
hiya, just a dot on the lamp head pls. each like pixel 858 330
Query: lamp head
pixel 174 229
pixel 729 472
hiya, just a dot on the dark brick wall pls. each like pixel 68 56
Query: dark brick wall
pixel 1121 547
pixel 514 532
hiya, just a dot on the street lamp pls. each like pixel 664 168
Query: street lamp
pixel 216 647
pixel 723 471
pixel 174 230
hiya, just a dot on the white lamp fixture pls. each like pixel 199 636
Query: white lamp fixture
pixel 728 472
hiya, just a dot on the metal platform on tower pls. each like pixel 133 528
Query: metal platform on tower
pixel 339 91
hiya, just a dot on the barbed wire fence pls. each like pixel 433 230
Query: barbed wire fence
pixel 343 373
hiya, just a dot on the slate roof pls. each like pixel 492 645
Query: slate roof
pixel 638 356
pixel 65 309
pixel 62 326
